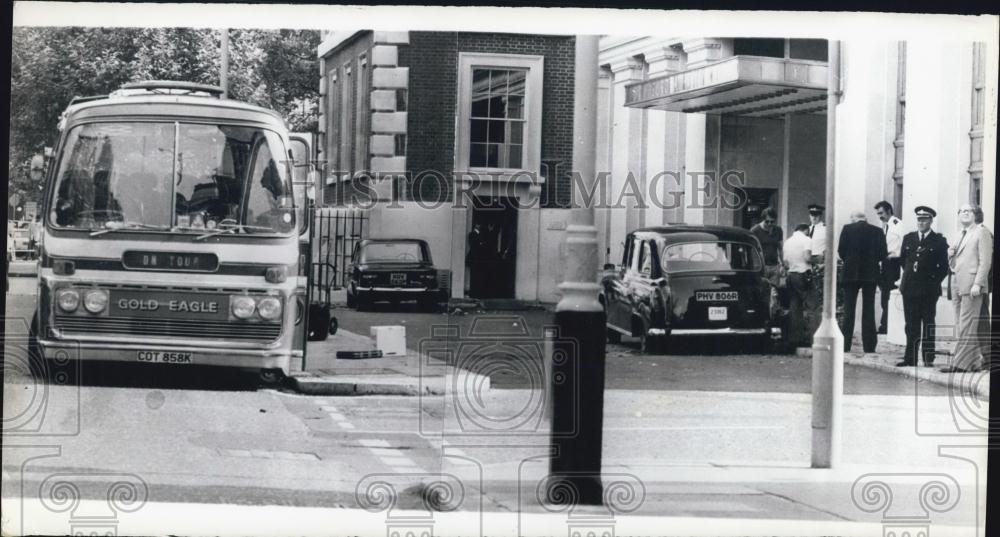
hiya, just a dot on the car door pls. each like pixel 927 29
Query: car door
pixel 615 290
pixel 641 284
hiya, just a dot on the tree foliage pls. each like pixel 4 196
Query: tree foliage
pixel 49 66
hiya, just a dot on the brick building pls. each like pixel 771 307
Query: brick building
pixel 443 133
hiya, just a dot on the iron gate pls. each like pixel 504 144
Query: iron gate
pixel 335 231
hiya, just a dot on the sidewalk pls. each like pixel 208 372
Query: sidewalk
pixel 887 355
pixel 412 374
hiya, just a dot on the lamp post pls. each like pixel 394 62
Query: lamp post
pixel 828 342
pixel 578 379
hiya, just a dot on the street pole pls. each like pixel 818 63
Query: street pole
pixel 578 380
pixel 828 342
pixel 224 68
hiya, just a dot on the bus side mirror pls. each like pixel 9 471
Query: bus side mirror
pixel 37 167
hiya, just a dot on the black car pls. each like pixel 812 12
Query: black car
pixel 393 270
pixel 683 280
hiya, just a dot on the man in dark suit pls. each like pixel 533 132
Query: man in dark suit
pixel 862 247
pixel 924 257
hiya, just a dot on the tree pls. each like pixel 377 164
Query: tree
pixel 50 66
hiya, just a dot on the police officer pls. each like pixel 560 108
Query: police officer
pixel 924 258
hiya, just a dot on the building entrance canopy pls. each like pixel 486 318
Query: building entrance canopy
pixel 740 85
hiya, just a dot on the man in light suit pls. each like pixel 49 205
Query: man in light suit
pixel 970 260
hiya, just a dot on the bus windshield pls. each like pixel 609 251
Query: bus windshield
pixel 180 177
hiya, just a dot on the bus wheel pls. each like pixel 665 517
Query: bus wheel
pixel 271 377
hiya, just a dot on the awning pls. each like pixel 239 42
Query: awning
pixel 740 85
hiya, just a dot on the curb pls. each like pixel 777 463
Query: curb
pixel 926 374
pixel 308 383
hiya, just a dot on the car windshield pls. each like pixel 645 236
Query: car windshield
pixel 710 256
pixel 173 176
pixel 392 252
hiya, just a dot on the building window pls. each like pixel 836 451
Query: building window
pixel 500 112
pixel 769 47
pixel 497 118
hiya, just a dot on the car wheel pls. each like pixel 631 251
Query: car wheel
pixel 351 301
pixel 361 303
pixel 271 378
pixel 614 336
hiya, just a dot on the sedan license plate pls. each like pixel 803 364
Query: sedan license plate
pixel 164 357
pixel 717 296
pixel 397 278
pixel 720 313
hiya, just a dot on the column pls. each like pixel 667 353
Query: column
pixel 701 136
pixel 602 214
pixel 626 150
pixel 664 146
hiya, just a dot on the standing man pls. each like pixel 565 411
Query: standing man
pixel 892 228
pixel 817 251
pixel 862 247
pixel 769 233
pixel 796 258
pixel 925 264
pixel 970 260
pixel 817 235
pixel 985 330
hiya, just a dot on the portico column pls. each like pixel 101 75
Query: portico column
pixel 664 146
pixel 626 152
pixel 700 153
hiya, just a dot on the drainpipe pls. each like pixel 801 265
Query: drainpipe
pixel 577 379
pixel 828 342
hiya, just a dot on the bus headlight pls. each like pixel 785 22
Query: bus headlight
pixel 95 300
pixel 242 306
pixel 68 299
pixel 269 308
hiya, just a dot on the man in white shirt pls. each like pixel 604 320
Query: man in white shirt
pixel 892 228
pixel 795 254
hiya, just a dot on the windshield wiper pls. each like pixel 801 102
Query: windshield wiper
pixel 231 228
pixel 129 225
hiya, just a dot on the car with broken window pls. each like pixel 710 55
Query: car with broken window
pixel 690 280
pixel 393 270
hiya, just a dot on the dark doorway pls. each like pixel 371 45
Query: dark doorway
pixel 758 199
pixel 491 248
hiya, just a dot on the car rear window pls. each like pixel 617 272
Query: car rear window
pixel 710 256
pixel 392 252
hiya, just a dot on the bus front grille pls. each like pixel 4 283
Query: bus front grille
pixel 178 328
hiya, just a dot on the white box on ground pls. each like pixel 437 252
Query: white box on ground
pixel 391 340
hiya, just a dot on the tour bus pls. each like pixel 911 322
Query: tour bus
pixel 170 233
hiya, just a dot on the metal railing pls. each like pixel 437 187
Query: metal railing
pixel 335 232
